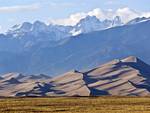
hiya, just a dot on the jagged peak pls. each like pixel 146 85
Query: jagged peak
pixel 116 21
pixel 117 18
pixel 37 22
pixel 138 20
pixel 15 27
pixel 26 25
pixel 89 18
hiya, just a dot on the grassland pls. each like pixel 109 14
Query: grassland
pixel 76 105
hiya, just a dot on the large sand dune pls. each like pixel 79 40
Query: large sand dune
pixel 129 76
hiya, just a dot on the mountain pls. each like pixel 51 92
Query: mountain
pixel 30 35
pixel 31 56
pixel 92 23
pixel 126 77
pixel 39 31
pixel 138 20
pixel 42 32
pixel 116 22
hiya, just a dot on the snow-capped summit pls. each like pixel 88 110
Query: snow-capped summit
pixel 88 24
pixel 90 19
pixel 26 27
pixel 39 26
pixel 39 30
pixel 17 26
pixel 116 21
pixel 92 23
pixel 138 20
pixel 17 31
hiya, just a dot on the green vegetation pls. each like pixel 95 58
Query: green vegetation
pixel 76 105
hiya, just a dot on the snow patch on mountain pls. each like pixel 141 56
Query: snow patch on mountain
pixel 138 20
pixel 39 31
pixel 92 23
pixel 56 32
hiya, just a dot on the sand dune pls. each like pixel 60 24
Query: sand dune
pixel 129 76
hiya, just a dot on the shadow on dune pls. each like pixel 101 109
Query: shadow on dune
pixel 93 91
pixel 40 90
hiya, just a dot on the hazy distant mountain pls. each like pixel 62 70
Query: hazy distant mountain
pixel 39 31
pixel 126 77
pixel 27 35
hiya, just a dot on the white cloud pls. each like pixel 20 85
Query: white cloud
pixel 0 29
pixel 126 15
pixel 98 13
pixel 72 20
pixel 146 14
pixel 19 8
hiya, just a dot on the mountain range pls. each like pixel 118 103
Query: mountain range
pixel 126 77
pixel 55 49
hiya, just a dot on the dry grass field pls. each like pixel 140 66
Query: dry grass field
pixel 76 105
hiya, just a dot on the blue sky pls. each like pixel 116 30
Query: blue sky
pixel 17 11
